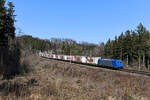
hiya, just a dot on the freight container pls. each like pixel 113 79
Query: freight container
pixel 78 59
pixel 89 60
pixel 84 60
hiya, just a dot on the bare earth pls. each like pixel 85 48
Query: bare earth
pixel 57 80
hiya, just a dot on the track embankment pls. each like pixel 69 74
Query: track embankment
pixel 122 70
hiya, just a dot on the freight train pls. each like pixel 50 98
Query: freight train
pixel 98 61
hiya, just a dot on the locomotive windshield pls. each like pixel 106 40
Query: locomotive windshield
pixel 119 62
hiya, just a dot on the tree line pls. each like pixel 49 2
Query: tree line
pixel 132 46
pixel 61 46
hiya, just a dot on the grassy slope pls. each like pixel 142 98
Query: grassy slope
pixel 55 80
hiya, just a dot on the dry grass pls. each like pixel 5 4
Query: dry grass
pixel 53 80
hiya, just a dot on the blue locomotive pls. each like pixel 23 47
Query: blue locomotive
pixel 113 63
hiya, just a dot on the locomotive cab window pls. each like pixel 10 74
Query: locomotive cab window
pixel 119 62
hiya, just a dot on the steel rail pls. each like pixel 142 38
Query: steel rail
pixel 135 71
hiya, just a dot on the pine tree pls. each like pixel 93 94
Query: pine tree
pixel 108 49
pixel 134 45
pixel 127 44
pixel 116 48
pixel 11 20
pixel 120 45
pixel 143 37
pixel 3 35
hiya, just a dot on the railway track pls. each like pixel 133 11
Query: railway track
pixel 135 71
pixel 123 70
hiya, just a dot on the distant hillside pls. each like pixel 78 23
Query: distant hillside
pixel 61 46
pixel 32 43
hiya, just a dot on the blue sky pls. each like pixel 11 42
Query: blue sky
pixel 92 21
